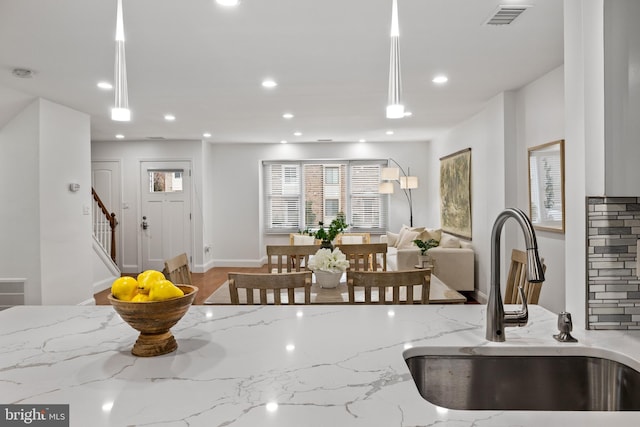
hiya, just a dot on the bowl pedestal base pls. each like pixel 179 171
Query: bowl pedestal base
pixel 148 345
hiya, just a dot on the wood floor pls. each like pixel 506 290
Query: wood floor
pixel 207 282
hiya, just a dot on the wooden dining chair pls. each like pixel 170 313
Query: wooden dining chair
pixel 401 283
pixel 366 256
pixel 177 270
pixel 269 287
pixel 518 277
pixel 288 258
pixel 352 238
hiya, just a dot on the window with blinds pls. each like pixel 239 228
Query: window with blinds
pixel 546 185
pixel 298 195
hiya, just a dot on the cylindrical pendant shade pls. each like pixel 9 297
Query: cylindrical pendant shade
pixel 390 174
pixel 385 188
pixel 409 182
pixel 121 111
pixel 395 108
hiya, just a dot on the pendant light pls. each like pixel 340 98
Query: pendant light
pixel 395 109
pixel 121 111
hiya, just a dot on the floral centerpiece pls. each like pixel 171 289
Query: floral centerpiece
pixel 328 266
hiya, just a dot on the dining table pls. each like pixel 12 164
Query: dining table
pixel 439 293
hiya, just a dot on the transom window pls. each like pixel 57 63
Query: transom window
pixel 300 194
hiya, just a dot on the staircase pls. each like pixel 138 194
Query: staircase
pixel 104 245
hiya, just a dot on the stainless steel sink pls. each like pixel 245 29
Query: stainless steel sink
pixel 526 382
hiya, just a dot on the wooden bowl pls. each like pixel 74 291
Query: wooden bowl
pixel 154 319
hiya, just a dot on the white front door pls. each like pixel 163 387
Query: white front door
pixel 165 220
pixel 105 180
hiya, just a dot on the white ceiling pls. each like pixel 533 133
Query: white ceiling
pixel 204 63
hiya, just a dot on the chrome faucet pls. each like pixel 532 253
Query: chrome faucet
pixel 497 318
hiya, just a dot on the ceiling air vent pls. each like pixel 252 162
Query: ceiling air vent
pixel 156 138
pixel 506 14
pixel 325 140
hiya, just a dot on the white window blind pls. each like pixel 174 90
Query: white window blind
pixel 367 207
pixel 298 195
pixel 546 188
pixel 283 195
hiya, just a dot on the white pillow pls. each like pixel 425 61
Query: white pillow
pixel 404 229
pixel 302 239
pixel 392 239
pixel 449 241
pixel 428 234
pixel 406 239
pixel 351 240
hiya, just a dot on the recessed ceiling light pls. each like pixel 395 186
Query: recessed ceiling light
pixel 297 133
pixel 269 83
pixel 105 85
pixel 283 142
pixel 120 136
pixel 287 116
pixel 169 117
pixel 362 140
pixel 408 114
pixel 440 79
pixel 228 2
pixel 206 135
pixel 389 132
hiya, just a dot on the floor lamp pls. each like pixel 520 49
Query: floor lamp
pixel 407 183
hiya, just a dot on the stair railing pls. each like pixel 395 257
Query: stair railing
pixel 104 225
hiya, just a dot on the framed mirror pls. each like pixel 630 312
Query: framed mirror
pixel 546 186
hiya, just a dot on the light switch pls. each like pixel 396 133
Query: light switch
pixel 86 210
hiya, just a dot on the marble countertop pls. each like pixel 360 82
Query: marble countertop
pixel 271 366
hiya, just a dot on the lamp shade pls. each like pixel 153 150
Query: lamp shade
pixel 390 174
pixel 385 188
pixel 409 182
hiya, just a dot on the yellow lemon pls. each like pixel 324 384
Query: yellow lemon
pixel 140 298
pixel 147 278
pixel 124 288
pixel 164 290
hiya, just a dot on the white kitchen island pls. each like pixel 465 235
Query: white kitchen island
pixel 294 366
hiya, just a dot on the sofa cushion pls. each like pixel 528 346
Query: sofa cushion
pixel 449 241
pixel 428 234
pixel 406 239
pixel 405 229
pixel 392 239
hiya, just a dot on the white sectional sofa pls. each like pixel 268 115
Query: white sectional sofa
pixel 453 260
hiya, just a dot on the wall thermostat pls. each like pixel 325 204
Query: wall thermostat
pixel 73 187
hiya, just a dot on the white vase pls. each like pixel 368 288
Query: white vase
pixel 328 279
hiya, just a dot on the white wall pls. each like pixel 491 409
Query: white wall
pixel 131 154
pixel 20 196
pixel 46 235
pixel 622 97
pixel 235 230
pixel 499 136
pixel 65 230
pixel 484 133
pixel 540 119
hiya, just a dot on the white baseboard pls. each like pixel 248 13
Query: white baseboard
pixel 103 284
pixel 200 268
pixel 130 269
pixel 239 262
pixel 481 297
